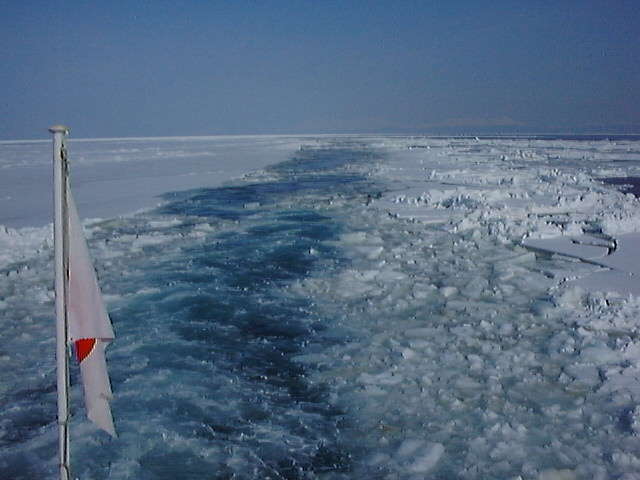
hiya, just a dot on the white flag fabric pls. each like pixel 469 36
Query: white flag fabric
pixel 89 325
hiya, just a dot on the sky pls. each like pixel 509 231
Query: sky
pixel 164 68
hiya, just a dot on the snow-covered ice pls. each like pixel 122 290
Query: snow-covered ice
pixel 120 176
pixel 348 307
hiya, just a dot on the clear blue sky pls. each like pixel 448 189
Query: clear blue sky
pixel 143 67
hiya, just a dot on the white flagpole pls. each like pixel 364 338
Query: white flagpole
pixel 61 242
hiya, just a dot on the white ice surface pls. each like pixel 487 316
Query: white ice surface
pixel 113 177
pixel 544 194
pixel 581 247
pixel 626 257
pixel 474 355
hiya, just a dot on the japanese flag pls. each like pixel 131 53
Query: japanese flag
pixel 89 325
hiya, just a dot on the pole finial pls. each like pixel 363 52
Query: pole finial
pixel 59 129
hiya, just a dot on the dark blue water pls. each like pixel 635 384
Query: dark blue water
pixel 625 184
pixel 206 352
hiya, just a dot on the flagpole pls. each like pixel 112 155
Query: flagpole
pixel 61 236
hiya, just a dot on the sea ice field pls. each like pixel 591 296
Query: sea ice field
pixel 335 307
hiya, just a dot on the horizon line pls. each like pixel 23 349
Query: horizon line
pixel 289 135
